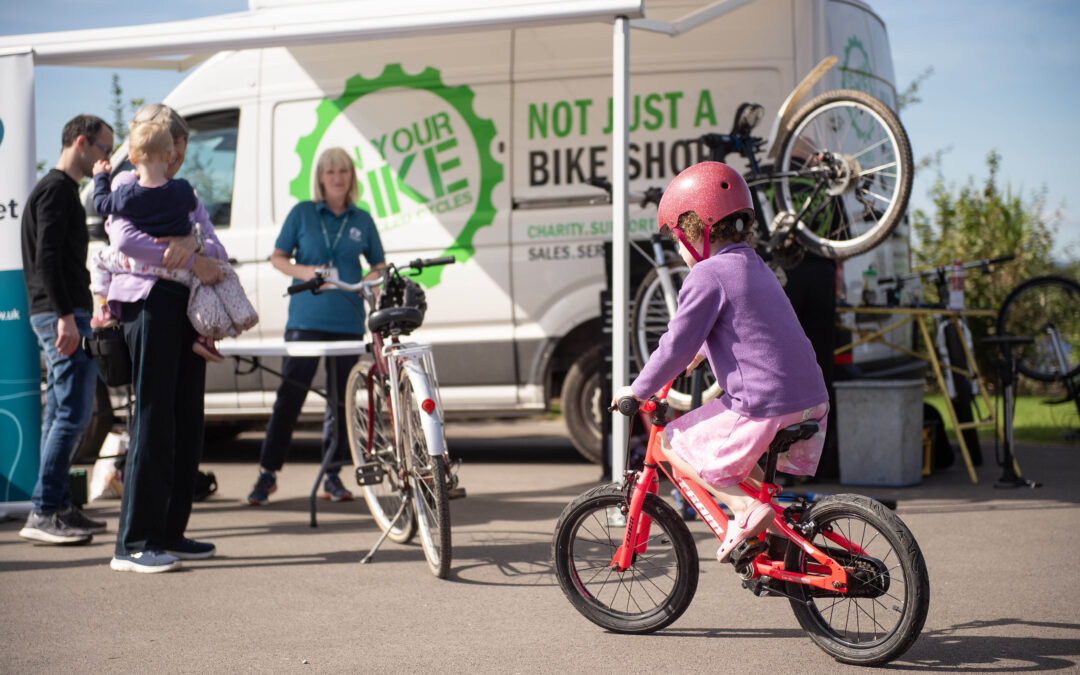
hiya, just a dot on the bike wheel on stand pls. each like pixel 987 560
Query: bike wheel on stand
pixel 654 591
pixel 1048 310
pixel 364 412
pixel 649 320
pixel 429 476
pixel 846 166
pixel 884 609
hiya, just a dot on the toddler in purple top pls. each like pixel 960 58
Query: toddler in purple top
pixel 732 311
pixel 162 207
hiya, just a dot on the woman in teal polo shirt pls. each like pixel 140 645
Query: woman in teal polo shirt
pixel 328 234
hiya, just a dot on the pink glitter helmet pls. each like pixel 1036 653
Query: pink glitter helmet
pixel 712 190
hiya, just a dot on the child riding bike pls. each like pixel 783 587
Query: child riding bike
pixel 732 311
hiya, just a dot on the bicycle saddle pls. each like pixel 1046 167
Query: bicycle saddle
pixel 403 319
pixel 796 432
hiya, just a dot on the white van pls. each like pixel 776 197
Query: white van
pixel 479 146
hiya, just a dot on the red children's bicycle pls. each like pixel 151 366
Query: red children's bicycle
pixel 851 569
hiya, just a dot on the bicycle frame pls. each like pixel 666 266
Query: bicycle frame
pixel 826 574
pixel 419 364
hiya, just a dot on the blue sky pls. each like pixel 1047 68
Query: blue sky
pixel 1005 78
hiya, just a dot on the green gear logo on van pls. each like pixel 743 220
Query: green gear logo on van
pixel 856 73
pixel 428 176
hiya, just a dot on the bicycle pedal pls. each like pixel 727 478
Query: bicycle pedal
pixel 746 551
pixel 456 493
pixel 370 473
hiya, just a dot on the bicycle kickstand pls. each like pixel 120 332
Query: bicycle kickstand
pixel 404 505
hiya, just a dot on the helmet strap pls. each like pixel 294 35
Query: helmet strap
pixel 693 250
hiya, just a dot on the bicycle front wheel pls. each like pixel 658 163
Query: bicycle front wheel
pixel 429 476
pixel 649 319
pixel 1048 310
pixel 657 587
pixel 846 170
pixel 888 594
pixel 371 412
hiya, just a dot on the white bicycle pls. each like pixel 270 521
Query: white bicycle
pixel 395 417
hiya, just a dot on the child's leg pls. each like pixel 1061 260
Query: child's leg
pixel 735 499
pixel 750 518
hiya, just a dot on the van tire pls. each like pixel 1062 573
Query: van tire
pixel 581 404
pixel 101 423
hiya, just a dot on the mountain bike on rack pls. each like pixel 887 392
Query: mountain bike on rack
pixel 1047 308
pixel 395 417
pixel 851 570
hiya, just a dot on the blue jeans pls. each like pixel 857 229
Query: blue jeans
pixel 70 382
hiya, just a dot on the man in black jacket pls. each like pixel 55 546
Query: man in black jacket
pixel 54 247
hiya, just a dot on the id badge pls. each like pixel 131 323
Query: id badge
pixel 331 273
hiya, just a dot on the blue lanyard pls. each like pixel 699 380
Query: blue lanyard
pixel 326 236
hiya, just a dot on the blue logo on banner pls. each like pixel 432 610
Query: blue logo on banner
pixel 1 131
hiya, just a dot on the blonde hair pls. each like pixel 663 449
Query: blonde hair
pixel 159 112
pixel 332 158
pixel 149 140
pixel 724 231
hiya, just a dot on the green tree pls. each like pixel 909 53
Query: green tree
pixel 976 222
pixel 122 111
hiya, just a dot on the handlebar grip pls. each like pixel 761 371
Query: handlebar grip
pixel 444 260
pixel 628 405
pixel 309 285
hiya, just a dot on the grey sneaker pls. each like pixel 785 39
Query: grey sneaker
pixel 75 517
pixel 146 562
pixel 50 528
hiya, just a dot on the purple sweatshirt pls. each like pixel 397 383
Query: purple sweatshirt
pixel 126 238
pixel 733 305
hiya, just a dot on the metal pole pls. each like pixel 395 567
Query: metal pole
pixel 620 250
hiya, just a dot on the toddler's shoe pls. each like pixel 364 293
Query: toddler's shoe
pixel 750 524
pixel 204 347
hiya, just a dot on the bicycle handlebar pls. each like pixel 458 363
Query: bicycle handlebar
pixel 945 268
pixel 628 405
pixel 313 284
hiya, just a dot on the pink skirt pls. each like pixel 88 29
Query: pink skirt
pixel 723 445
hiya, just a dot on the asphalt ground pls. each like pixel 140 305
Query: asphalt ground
pixel 283 597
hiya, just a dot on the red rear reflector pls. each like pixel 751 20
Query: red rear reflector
pixel 843 359
pixel 428 406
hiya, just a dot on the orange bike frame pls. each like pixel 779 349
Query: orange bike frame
pixel 826 574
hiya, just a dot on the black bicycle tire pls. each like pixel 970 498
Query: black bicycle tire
pixel 841 249
pixel 679 397
pixel 916 581
pixel 381 500
pixel 428 475
pixel 598 500
pixel 1003 325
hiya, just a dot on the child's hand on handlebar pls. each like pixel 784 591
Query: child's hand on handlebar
pixel 624 392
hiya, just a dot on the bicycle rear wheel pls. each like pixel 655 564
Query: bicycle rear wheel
pixel 888 596
pixel 847 169
pixel 1047 309
pixel 429 476
pixel 649 319
pixel 653 592
pixel 383 499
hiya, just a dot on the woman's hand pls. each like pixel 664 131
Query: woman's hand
pixel 178 251
pixel 207 270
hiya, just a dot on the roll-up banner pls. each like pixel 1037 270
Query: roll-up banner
pixel 20 363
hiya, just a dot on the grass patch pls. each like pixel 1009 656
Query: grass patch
pixel 1033 422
